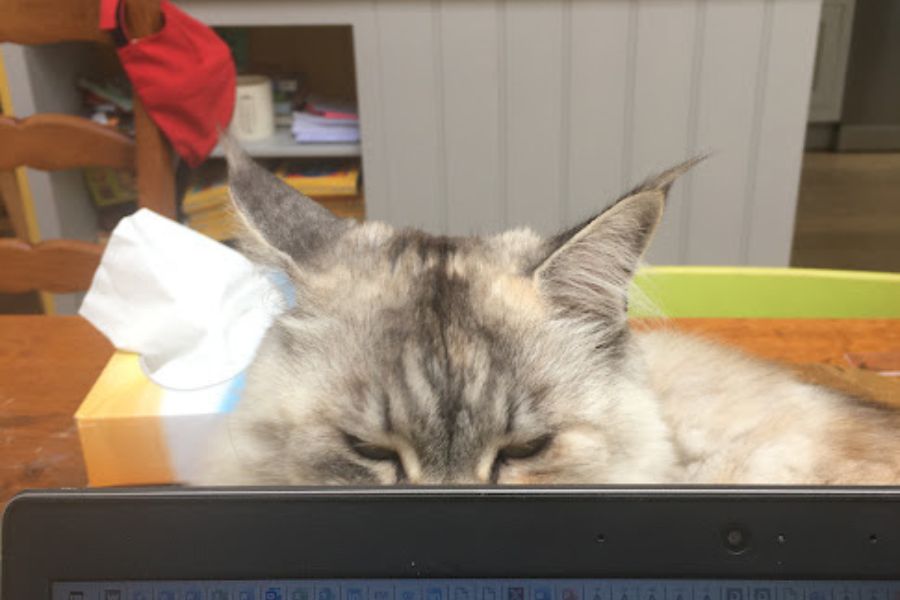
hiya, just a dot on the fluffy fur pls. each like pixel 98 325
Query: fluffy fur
pixel 508 359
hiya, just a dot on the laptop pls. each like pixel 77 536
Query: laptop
pixel 453 544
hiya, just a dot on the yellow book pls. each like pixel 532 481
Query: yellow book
pixel 321 181
pixel 205 199
pixel 218 224
pixel 346 207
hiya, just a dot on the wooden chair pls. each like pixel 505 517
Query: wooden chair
pixel 57 141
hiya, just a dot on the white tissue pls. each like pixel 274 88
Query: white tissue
pixel 194 309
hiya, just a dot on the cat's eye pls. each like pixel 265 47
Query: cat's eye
pixel 371 451
pixel 523 450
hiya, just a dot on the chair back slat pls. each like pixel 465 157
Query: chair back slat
pixel 57 266
pixel 48 21
pixel 52 142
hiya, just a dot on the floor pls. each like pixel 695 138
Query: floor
pixel 848 214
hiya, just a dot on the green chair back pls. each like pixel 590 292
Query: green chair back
pixel 754 292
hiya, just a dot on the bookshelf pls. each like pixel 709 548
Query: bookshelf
pixel 282 145
pixel 347 207
pixel 324 55
pixel 45 82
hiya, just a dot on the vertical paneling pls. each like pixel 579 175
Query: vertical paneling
pixel 471 113
pixel 412 111
pixel 732 44
pixel 375 160
pixel 534 54
pixel 770 208
pixel 598 82
pixel 661 117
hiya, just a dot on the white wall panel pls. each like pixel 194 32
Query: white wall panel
pixel 598 79
pixel 469 72
pixel 412 110
pixel 771 206
pixel 727 108
pixel 534 112
pixel 663 118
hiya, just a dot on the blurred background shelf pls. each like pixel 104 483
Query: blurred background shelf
pixel 346 207
pixel 282 144
pixel 220 224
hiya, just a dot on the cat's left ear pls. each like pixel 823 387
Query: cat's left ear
pixel 280 226
pixel 587 269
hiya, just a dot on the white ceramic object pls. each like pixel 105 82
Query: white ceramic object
pixel 253 110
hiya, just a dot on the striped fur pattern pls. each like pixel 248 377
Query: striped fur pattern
pixel 413 358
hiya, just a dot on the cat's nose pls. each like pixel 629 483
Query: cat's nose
pixel 448 479
pixel 465 479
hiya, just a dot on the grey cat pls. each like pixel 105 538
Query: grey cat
pixel 413 358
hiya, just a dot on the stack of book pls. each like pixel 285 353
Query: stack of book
pixel 114 194
pixel 317 179
pixel 108 102
pixel 113 191
pixel 207 206
pixel 326 121
pixel 334 187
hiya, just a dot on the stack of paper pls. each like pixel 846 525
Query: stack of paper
pixel 324 121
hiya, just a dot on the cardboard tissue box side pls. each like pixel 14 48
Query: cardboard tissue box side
pixel 134 432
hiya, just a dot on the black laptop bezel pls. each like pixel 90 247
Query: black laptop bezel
pixel 227 534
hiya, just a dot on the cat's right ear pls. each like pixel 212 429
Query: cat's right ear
pixel 279 226
pixel 587 275
pixel 587 269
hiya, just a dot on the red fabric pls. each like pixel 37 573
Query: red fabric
pixel 108 14
pixel 185 77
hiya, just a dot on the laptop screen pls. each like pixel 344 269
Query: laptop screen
pixel 481 589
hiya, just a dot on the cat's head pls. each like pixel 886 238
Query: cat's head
pixel 431 359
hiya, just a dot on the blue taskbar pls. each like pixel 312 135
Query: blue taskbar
pixel 480 589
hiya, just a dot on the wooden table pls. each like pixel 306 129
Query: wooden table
pixel 47 365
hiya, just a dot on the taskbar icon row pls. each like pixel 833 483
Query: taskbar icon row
pixel 480 589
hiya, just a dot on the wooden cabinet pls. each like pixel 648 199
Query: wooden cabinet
pixel 832 53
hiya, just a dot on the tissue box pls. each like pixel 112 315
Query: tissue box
pixel 135 432
pixel 194 312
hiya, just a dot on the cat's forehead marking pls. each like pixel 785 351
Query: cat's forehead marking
pixel 451 395
pixel 511 292
pixel 451 388
pixel 457 266
pixel 414 249
pixel 373 232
